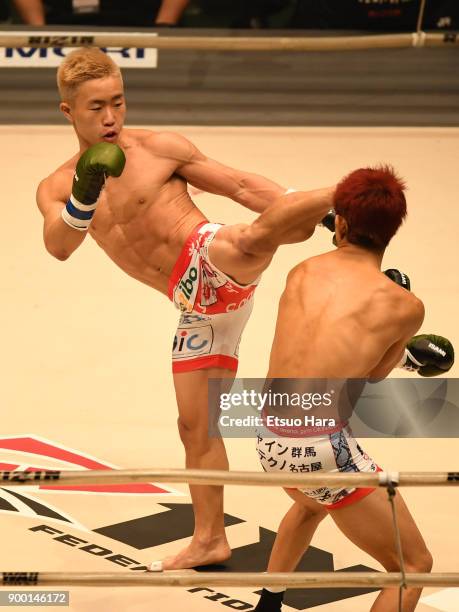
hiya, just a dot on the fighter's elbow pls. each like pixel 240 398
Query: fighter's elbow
pixel 62 256
pixel 57 252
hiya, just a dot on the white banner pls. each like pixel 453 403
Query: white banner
pixel 28 57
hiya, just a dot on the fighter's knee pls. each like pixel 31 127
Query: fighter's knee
pixel 421 562
pixel 305 507
pixel 253 245
pixel 192 437
pixel 185 429
pixel 415 561
pixel 316 512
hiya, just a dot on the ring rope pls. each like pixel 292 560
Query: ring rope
pixel 190 578
pixel 223 477
pixel 422 9
pixel 391 492
pixel 37 38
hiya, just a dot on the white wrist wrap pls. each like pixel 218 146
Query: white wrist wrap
pixel 403 362
pixel 77 215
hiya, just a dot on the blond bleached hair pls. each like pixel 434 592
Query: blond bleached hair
pixel 83 65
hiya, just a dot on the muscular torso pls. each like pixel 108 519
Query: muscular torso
pixel 143 217
pixel 337 319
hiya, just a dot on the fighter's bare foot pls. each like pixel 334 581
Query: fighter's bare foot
pixel 194 555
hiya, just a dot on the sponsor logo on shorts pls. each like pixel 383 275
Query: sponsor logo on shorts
pixel 188 319
pixel 192 342
pixel 237 305
pixel 186 290
pixel 187 284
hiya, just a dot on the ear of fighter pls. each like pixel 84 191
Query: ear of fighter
pixel 94 166
pixel 426 354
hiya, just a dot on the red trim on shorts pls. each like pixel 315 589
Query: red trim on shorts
pixel 182 261
pixel 352 497
pixel 204 363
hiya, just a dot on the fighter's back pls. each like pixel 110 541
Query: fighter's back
pixel 338 318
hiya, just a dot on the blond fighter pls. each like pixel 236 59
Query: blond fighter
pixel 148 225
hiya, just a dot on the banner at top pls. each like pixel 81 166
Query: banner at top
pixel 51 57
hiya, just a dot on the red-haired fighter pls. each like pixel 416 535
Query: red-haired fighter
pixel 340 317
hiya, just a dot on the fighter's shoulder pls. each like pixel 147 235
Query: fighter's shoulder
pixel 415 310
pixel 297 274
pixel 405 304
pixel 167 144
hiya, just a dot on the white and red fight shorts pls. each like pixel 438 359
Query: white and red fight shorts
pixel 337 451
pixel 215 309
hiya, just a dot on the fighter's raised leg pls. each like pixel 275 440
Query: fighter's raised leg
pixel 243 252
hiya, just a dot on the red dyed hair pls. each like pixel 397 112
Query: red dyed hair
pixel 372 202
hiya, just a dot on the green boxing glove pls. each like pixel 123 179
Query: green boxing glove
pixel 99 161
pixel 428 355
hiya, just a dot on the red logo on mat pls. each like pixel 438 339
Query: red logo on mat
pixel 62 458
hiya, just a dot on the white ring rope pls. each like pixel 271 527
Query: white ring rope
pixel 223 477
pixel 190 578
pixel 37 38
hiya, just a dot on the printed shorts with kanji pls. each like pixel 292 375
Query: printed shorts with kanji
pixel 334 452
